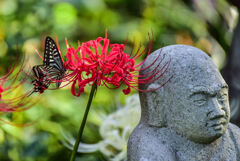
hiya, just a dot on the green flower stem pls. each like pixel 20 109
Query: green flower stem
pixel 80 132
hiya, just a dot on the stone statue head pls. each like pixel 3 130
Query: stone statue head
pixel 194 102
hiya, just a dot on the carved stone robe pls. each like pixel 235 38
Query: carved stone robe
pixel 169 146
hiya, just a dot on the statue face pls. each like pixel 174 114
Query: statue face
pixel 201 112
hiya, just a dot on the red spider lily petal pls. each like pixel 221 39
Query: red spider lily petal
pixel 19 105
pixel 1 90
pixel 81 85
pixel 126 91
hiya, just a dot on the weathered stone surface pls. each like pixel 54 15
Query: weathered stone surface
pixel 188 118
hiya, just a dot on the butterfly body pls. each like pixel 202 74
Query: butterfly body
pixel 52 69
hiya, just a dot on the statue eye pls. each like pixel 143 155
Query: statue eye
pixel 200 102
pixel 199 99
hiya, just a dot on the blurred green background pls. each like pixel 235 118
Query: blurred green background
pixel 205 24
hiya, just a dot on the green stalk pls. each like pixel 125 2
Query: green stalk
pixel 80 132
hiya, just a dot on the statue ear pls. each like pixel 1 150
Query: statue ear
pixel 156 106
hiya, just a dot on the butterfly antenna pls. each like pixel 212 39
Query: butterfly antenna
pixel 30 92
pixel 37 52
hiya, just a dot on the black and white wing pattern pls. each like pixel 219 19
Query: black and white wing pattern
pixel 51 70
pixel 46 73
pixel 52 56
pixel 41 81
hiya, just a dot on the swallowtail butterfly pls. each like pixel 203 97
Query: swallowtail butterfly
pixel 52 68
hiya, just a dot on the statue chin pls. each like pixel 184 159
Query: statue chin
pixel 211 135
pixel 205 139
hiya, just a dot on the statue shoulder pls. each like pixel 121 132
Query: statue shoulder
pixel 234 133
pixel 234 129
pixel 146 144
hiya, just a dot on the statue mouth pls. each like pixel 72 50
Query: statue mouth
pixel 218 124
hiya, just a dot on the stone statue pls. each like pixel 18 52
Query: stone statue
pixel 188 118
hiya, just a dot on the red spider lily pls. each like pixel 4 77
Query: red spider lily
pixel 98 61
pixel 8 84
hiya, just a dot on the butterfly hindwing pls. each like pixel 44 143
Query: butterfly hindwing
pixel 41 81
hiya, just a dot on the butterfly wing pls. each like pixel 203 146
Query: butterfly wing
pixel 54 74
pixel 41 82
pixel 47 74
pixel 41 74
pixel 52 56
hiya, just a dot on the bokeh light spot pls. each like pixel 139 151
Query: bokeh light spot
pixel 3 47
pixel 7 7
pixel 65 14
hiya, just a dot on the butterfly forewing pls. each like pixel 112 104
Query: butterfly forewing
pixel 52 56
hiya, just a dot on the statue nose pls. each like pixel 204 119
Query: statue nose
pixel 216 109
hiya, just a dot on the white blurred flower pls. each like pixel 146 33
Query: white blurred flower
pixel 115 130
